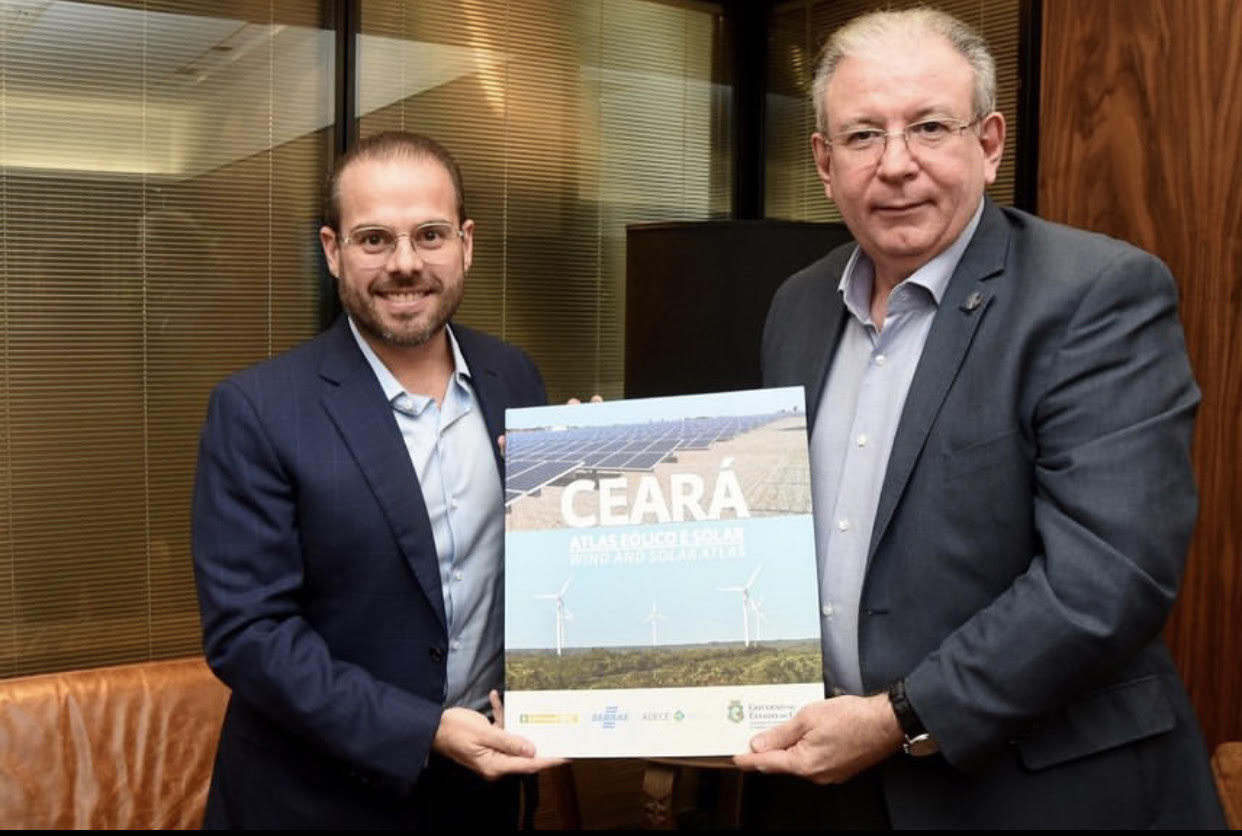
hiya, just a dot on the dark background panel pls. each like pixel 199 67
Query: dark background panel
pixel 697 294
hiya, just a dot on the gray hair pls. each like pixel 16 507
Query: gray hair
pixel 867 31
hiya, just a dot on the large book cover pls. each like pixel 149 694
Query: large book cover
pixel 661 596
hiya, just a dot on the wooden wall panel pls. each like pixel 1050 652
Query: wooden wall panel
pixel 1141 138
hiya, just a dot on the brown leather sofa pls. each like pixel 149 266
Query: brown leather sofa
pixel 1227 767
pixel 124 747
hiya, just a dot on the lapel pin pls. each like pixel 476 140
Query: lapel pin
pixel 973 301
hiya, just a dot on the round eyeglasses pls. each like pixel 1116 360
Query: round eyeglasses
pixel 866 145
pixel 374 245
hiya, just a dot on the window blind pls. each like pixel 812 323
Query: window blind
pixel 160 170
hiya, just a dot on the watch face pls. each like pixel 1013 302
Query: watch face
pixel 921 745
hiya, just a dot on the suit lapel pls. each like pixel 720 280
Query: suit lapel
pixel 962 308
pixel 489 390
pixel 816 365
pixel 355 403
pixel 809 341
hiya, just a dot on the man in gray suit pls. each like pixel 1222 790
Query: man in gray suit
pixel 1001 413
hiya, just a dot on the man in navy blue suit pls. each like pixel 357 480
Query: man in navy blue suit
pixel 348 532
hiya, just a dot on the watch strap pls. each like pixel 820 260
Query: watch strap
pixel 907 718
pixel 918 742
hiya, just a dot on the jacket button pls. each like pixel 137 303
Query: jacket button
pixel 437 654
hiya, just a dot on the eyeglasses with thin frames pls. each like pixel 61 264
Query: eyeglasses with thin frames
pixel 374 245
pixel 866 145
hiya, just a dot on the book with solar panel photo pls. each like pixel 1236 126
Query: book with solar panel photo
pixel 661 596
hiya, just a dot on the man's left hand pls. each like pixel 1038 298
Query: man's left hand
pixel 472 740
pixel 828 741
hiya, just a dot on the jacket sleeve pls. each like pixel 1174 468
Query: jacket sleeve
pixel 1114 508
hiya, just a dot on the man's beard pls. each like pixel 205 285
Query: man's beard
pixel 402 332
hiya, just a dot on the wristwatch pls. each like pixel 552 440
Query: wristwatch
pixel 918 741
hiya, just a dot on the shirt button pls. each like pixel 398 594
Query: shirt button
pixel 453 504
pixel 457 575
pixel 455 644
pixel 880 359
pixel 827 610
pixel 862 440
pixel 843 525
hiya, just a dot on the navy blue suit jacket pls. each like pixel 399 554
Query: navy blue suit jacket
pixel 1030 532
pixel 318 583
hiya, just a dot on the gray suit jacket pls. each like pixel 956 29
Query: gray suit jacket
pixel 1031 532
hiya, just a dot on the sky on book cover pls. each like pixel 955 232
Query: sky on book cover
pixel 702 535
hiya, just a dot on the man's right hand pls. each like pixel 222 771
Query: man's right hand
pixel 469 738
pixel 828 741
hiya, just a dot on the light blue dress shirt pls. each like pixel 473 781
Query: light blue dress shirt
pixel 451 451
pixel 853 436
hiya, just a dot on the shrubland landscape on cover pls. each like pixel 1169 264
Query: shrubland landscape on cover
pixel 663 667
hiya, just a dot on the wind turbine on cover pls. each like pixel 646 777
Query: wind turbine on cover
pixel 562 613
pixel 654 616
pixel 756 607
pixel 745 590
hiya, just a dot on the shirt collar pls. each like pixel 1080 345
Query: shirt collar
pixel 934 276
pixel 393 389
